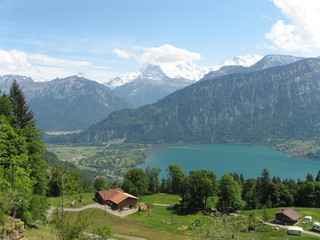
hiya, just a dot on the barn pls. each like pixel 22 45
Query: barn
pixel 288 216
pixel 117 199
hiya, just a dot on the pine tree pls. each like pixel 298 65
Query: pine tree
pixel 318 177
pixel 23 115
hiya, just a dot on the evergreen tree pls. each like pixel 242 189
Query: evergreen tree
pixel 309 178
pixel 5 106
pixel 264 188
pixel 163 186
pixel 318 177
pixel 21 157
pixel 23 115
pixel 249 194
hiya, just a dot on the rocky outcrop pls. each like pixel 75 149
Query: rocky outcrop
pixel 13 230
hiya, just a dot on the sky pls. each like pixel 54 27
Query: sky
pixel 46 39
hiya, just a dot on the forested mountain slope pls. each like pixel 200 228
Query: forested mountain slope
pixel 280 102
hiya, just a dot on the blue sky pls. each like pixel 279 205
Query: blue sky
pixel 45 39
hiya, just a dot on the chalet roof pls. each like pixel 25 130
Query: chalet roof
pixel 118 198
pixel 107 194
pixel 290 213
pixel 115 195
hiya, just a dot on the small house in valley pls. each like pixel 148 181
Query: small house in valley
pixel 117 199
pixel 288 216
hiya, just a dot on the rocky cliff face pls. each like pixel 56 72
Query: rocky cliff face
pixel 279 102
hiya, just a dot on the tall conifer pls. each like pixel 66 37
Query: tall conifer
pixel 23 115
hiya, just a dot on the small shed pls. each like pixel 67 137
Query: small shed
pixel 288 216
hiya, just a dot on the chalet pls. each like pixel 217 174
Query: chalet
pixel 117 199
pixel 288 216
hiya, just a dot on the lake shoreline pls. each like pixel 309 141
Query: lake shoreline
pixel 170 155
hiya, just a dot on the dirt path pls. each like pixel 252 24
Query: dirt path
pixel 104 208
pixel 162 204
pixel 286 227
pixel 108 210
pixel 90 235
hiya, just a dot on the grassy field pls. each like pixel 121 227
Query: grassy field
pixel 66 152
pixel 163 223
pixel 87 198
pixel 161 198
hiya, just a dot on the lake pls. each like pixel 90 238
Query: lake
pixel 248 160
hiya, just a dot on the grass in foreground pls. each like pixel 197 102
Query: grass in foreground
pixel 161 198
pixel 87 198
pixel 126 226
pixel 156 223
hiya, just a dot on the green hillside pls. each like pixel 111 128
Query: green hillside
pixel 276 103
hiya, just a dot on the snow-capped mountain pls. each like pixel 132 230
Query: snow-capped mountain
pixel 186 70
pixel 151 85
pixel 273 60
pixel 245 61
pixel 267 61
pixel 154 82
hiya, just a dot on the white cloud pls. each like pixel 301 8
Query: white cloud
pixel 123 54
pixel 246 60
pixel 165 54
pixel 14 60
pixel 45 60
pixel 42 67
pixel 303 31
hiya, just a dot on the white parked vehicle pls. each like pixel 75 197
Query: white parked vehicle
pixel 308 218
pixel 316 226
pixel 293 230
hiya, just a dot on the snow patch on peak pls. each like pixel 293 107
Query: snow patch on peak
pixel 82 75
pixel 187 70
pixel 246 60
pixel 182 70
pixel 119 81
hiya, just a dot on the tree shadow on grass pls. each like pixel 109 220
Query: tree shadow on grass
pixel 182 211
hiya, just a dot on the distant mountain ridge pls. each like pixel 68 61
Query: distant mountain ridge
pixel 280 102
pixel 70 103
pixel 152 85
pixel 153 82
pixel 267 61
pixel 186 70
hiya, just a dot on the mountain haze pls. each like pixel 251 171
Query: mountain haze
pixel 275 103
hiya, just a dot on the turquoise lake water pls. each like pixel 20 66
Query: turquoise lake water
pixel 248 160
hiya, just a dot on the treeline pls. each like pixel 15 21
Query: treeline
pixel 23 176
pixel 232 191
pixel 28 173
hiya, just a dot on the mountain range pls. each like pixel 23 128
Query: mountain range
pixel 76 102
pixel 280 102
pixel 66 104
pixel 153 82
pixel 151 85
